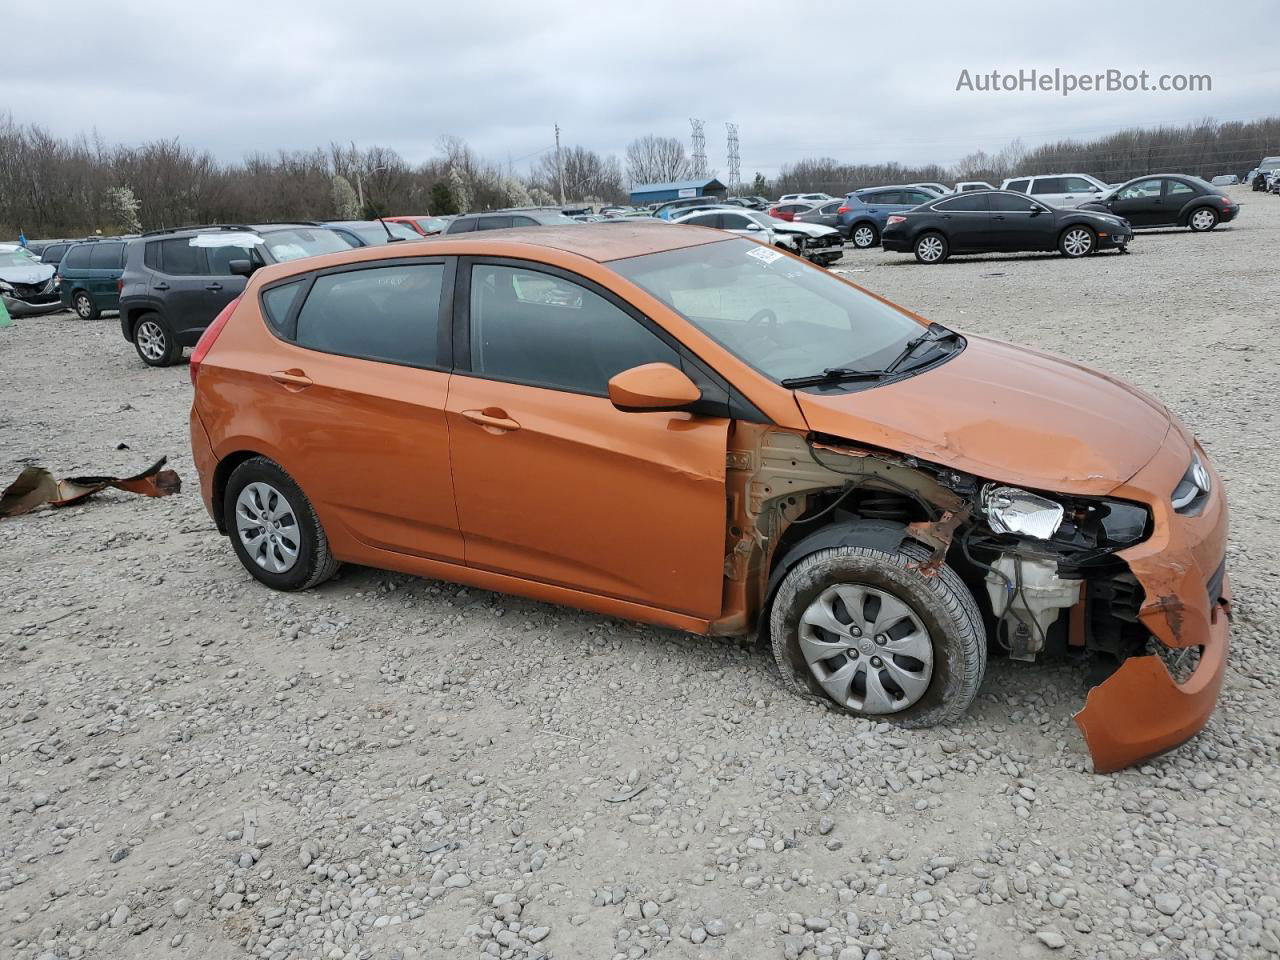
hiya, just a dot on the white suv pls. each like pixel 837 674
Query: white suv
pixel 805 198
pixel 1059 189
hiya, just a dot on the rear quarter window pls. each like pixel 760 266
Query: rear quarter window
pixel 106 256
pixel 1019 186
pixel 276 304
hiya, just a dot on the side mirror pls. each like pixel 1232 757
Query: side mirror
pixel 754 227
pixel 652 387
pixel 1035 211
pixel 240 268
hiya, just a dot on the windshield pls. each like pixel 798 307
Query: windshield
pixel 762 218
pixel 1269 165
pixel 16 257
pixel 285 245
pixel 432 224
pixel 783 317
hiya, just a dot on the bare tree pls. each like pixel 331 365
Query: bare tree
pixel 652 159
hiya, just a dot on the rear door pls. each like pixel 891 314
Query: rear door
pixel 178 284
pixel 966 220
pixel 556 485
pixel 354 396
pixel 106 261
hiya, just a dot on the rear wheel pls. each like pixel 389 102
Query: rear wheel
pixel 864 235
pixel 84 306
pixel 1203 219
pixel 865 630
pixel 155 342
pixel 1077 241
pixel 274 528
pixel 932 248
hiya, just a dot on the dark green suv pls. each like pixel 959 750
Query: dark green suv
pixel 89 277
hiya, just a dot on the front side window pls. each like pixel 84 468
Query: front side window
pixel 540 329
pixel 1142 190
pixel 784 318
pixel 704 220
pixel 493 223
pixel 391 314
pixel 220 259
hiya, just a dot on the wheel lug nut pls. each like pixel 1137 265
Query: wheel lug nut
pixel 882 640
pixel 875 662
pixel 856 632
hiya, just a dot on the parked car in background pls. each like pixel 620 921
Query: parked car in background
pixel 1169 200
pixel 735 220
pixel 997 221
pixel 819 244
pixel 667 209
pixel 964 186
pixel 1059 189
pixel 788 211
pixel 939 189
pixel 176 281
pixel 426 226
pixel 370 233
pixel 824 214
pixel 805 197
pixel 755 203
pixel 505 219
pixel 704 409
pixel 1225 180
pixel 863 213
pixel 1263 174
pixel 27 286
pixel 89 277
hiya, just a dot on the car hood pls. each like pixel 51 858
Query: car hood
pixel 809 229
pixel 1005 413
pixel 34 273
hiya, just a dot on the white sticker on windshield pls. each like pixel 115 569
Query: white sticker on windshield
pixel 229 239
pixel 764 254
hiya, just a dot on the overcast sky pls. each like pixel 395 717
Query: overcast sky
pixel 801 78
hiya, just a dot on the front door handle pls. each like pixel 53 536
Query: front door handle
pixel 493 419
pixel 215 286
pixel 293 379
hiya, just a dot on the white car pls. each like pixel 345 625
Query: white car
pixel 964 186
pixel 805 198
pixel 939 188
pixel 822 245
pixel 1058 189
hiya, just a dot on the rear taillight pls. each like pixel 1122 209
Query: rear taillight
pixel 844 209
pixel 210 334
pixel 119 284
pixel 894 218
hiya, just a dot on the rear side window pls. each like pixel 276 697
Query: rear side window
pixel 704 220
pixel 179 258
pixel 151 255
pixel 1049 185
pixel 391 314
pixel 973 203
pixel 1177 190
pixel 540 329
pixel 523 222
pixel 462 226
pixel 883 197
pixel 278 301
pixel 1019 185
pixel 77 256
pixel 106 256
pixel 493 223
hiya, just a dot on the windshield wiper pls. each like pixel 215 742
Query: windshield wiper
pixel 935 334
pixel 832 375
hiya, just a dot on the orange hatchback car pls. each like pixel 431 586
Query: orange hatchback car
pixel 685 427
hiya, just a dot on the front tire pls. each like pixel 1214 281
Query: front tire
pixel 1077 241
pixel 863 630
pixel 274 528
pixel 155 342
pixel 864 236
pixel 1203 219
pixel 84 306
pixel 932 248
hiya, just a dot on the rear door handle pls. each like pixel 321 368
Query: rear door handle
pixel 215 286
pixel 293 379
pixel 161 286
pixel 493 419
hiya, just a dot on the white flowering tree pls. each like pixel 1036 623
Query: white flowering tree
pixel 122 208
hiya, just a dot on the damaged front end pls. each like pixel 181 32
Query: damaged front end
pixel 1133 582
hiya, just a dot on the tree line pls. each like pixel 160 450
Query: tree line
pixel 54 186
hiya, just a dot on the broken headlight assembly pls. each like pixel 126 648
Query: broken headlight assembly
pixel 1011 510
pixel 1085 524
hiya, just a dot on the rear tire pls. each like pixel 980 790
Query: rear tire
pixel 931 248
pixel 864 236
pixel 1203 219
pixel 155 342
pixel 936 619
pixel 1077 241
pixel 274 528
pixel 84 306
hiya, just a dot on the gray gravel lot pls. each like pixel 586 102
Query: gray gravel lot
pixel 192 766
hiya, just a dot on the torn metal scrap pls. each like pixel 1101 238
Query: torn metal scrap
pixel 35 488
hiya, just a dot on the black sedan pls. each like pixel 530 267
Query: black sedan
pixel 993 221
pixel 1168 200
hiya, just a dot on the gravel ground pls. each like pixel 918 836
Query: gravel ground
pixel 192 766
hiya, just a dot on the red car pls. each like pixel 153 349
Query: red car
pixel 426 225
pixel 788 211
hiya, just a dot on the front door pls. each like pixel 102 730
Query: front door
pixel 1141 203
pixel 1020 223
pixel 354 401
pixel 553 483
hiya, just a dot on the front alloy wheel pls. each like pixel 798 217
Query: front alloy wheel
pixel 1077 242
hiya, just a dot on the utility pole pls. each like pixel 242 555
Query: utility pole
pixel 559 167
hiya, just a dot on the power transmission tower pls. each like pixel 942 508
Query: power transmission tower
pixel 699 148
pixel 735 162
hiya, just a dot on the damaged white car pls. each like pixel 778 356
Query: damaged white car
pixel 27 286
pixel 822 245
